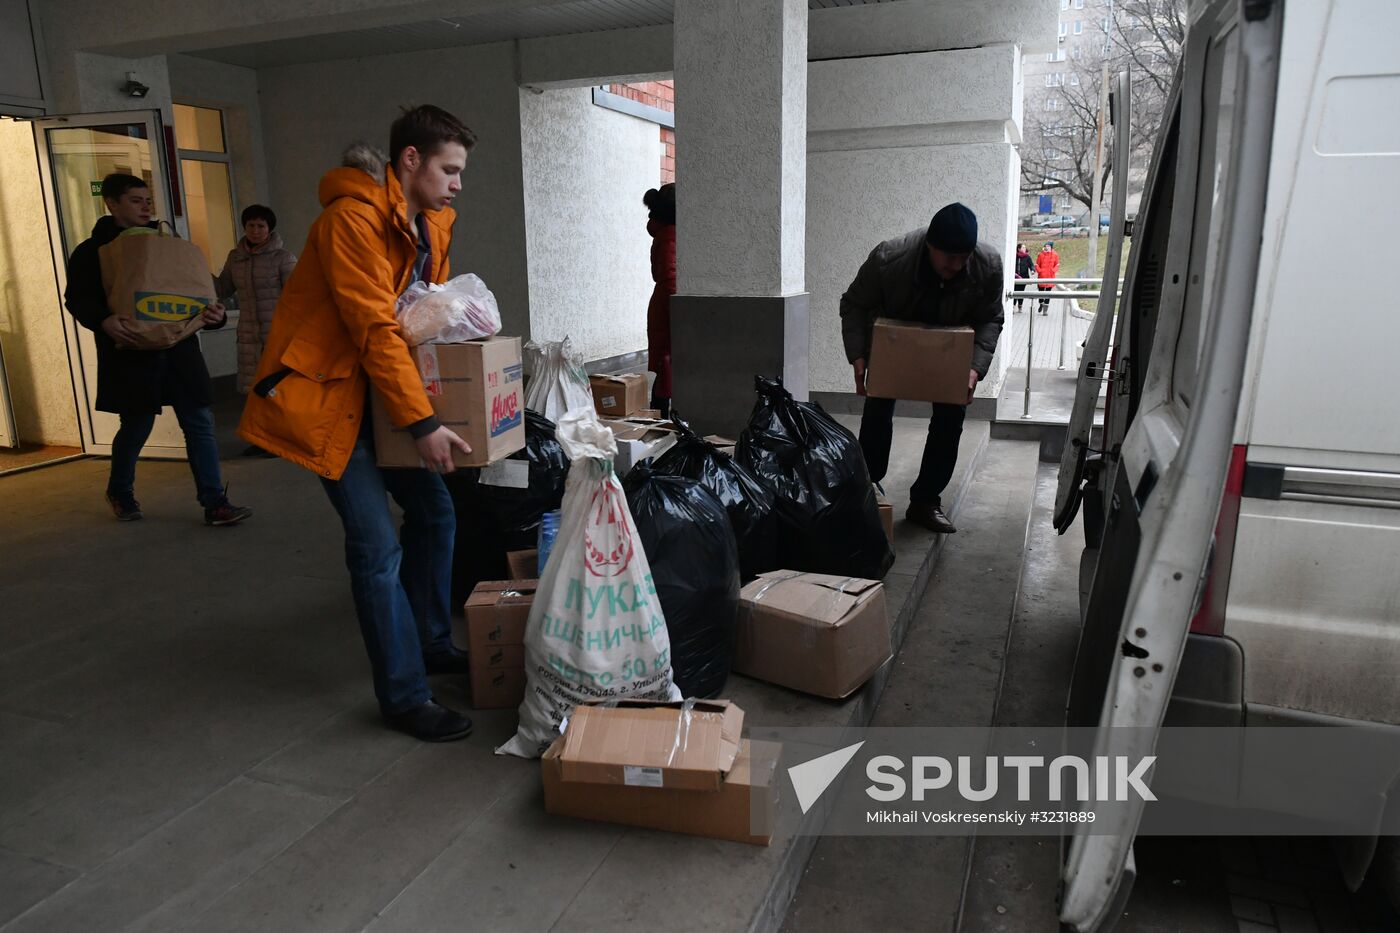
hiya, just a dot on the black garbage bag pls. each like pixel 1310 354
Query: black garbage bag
pixel 695 565
pixel 747 501
pixel 494 519
pixel 829 519
pixel 518 511
pixel 479 548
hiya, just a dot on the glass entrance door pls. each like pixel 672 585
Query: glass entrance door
pixel 75 153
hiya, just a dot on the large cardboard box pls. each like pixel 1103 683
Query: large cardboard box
pixel 886 515
pixel 741 810
pixel 476 389
pixel 919 362
pixel 682 746
pixel 523 565
pixel 620 395
pixel 820 634
pixel 497 688
pixel 639 438
pixel 497 611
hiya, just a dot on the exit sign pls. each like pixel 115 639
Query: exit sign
pixel 96 189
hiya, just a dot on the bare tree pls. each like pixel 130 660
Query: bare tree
pixel 1058 147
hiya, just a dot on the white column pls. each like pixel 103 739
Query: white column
pixel 741 193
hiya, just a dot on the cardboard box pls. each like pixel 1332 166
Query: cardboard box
pixel 497 688
pixel 496 615
pixel 524 565
pixel 742 810
pixel 648 744
pixel 886 515
pixel 820 634
pixel 476 389
pixel 918 362
pixel 639 438
pixel 620 395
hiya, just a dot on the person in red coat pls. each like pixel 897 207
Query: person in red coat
pixel 662 226
pixel 1047 266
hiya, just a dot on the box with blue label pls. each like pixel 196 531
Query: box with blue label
pixel 476 389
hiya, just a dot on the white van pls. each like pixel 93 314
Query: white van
pixel 1242 503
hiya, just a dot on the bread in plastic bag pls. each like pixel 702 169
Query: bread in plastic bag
pixel 459 310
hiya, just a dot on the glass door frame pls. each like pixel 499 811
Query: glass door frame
pixel 156 447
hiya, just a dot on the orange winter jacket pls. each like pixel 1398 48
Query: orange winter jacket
pixel 334 331
pixel 1047 266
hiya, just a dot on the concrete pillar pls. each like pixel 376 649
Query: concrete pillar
pixel 741 127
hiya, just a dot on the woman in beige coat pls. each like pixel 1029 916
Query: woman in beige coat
pixel 255 272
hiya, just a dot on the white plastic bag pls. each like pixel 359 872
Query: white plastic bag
pixel 558 383
pixel 459 310
pixel 596 630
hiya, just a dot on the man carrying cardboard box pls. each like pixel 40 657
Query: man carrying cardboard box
pixel 333 337
pixel 945 277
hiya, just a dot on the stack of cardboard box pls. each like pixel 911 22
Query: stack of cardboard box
pixel 476 389
pixel 681 767
pixel 496 615
pixel 619 396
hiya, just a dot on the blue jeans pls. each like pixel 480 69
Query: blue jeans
pixel 197 422
pixel 402 583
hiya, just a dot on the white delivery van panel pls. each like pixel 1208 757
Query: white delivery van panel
pixel 1328 376
pixel 1315 604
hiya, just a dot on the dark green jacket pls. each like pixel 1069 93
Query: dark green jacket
pixel 894 282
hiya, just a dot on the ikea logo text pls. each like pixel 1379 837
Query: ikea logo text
pixel 152 306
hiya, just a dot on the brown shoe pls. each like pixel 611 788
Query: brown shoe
pixel 929 515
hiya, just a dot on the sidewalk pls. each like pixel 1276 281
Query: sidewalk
pixel 204 752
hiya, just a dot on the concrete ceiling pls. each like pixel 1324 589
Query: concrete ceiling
pixel 570 18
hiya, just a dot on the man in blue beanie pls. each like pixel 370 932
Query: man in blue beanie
pixel 941 276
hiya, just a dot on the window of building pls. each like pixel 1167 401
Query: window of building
pixel 1064 4
pixel 1064 30
pixel 1074 78
pixel 1059 55
pixel 1052 103
pixel 207 181
pixel 1079 4
pixel 1078 53
pixel 1079 27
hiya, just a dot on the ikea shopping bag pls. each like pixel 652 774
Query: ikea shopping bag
pixel 596 629
pixel 158 282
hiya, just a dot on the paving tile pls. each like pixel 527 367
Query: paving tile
pixel 1247 908
pixel 1295 920
pixel 156 883
pixel 25 882
pixel 339 757
pixel 514 870
pixel 343 873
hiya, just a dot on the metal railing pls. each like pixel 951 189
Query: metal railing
pixel 1030 292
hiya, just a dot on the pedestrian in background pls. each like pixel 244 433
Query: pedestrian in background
pixel 1025 269
pixel 254 273
pixel 1047 266
pixel 661 224
pixel 134 383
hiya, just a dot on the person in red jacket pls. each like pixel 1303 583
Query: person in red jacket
pixel 1047 266
pixel 662 227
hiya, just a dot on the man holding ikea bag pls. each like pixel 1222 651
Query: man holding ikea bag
pixel 144 295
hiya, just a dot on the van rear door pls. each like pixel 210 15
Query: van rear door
pixel 1177 449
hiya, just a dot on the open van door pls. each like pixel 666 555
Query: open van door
pixel 1091 367
pixel 1169 479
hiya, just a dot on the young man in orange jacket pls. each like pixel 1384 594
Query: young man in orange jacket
pixel 333 338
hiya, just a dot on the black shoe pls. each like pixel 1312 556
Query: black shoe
pixel 449 662
pixel 125 508
pixel 431 722
pixel 930 516
pixel 226 513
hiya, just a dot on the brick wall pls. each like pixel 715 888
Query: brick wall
pixel 662 95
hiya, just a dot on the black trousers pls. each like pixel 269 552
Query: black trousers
pixel 940 450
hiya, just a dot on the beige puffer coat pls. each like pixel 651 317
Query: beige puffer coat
pixel 257 279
